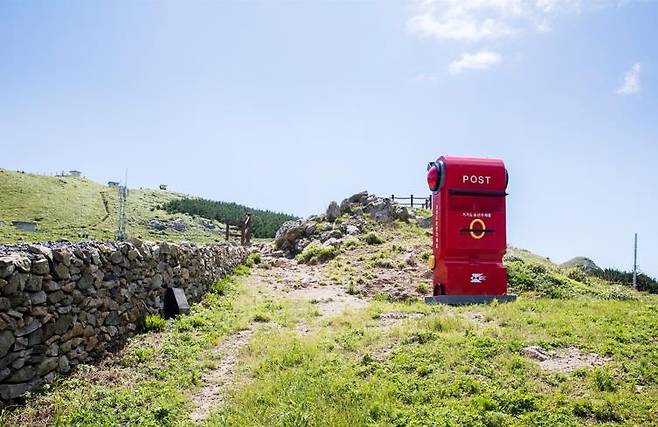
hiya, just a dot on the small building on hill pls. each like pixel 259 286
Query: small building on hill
pixel 75 173
pixel 163 187
pixel 112 184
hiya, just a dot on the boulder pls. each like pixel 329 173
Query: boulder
pixel 289 232
pixel 333 211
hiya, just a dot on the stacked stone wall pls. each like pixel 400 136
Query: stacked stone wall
pixel 63 304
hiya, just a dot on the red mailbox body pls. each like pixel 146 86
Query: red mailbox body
pixel 469 230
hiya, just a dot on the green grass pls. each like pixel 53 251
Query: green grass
pixel 154 322
pixel 80 209
pixel 447 371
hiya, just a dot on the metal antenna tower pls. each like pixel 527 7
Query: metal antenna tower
pixel 635 263
pixel 121 218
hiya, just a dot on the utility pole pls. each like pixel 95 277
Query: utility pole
pixel 121 217
pixel 635 263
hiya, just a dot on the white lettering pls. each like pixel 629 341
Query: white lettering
pixel 476 179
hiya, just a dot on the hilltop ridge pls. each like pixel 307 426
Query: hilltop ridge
pixel 76 208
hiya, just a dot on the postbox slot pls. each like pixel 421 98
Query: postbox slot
pixel 477 193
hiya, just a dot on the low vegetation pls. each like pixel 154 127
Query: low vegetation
pixel 316 253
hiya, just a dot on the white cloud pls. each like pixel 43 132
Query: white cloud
pixel 631 83
pixel 481 60
pixel 476 20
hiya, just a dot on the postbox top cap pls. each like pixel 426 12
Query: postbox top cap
pixel 471 161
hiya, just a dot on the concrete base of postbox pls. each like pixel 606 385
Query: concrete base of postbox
pixel 468 299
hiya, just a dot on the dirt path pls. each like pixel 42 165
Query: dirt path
pixel 220 379
pixel 286 279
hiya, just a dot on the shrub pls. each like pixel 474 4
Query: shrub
pixel 316 253
pixel 373 238
pixel 254 258
pixel 223 286
pixel 154 322
pixel 261 317
pixel 422 288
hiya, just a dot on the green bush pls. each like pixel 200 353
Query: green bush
pixel 154 322
pixel 253 259
pixel 373 238
pixel 317 253
pixel 223 286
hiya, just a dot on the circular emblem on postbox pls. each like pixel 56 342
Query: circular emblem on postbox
pixel 477 229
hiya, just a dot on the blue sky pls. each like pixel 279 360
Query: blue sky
pixel 288 105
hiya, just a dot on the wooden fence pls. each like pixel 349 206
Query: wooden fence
pixel 413 201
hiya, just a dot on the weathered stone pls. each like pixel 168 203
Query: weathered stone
pixel 5 304
pixel 49 364
pixel 156 281
pixel 62 271
pixel 85 281
pixel 55 297
pixel 62 256
pixel 41 250
pixel 63 324
pixel 33 283
pixel 7 340
pixel 116 257
pixel 13 391
pixel 38 298
pixel 64 365
pixel 51 286
pixel 22 375
pixel 30 326
pixel 333 211
pixel 40 266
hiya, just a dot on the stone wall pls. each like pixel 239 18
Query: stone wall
pixel 63 304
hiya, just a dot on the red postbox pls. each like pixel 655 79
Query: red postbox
pixel 469 230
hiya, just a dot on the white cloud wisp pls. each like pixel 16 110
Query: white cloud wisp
pixel 631 83
pixel 481 60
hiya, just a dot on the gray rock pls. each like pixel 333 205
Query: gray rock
pixel 424 222
pixel 5 304
pixel 41 250
pixel 55 297
pixel 49 364
pixel 33 283
pixel 51 286
pixel 333 211
pixel 332 242
pixel 64 365
pixel 38 298
pixel 62 256
pixel 13 391
pixel 289 232
pixel 22 375
pixel 31 325
pixel 7 339
pixel 116 257
pixel 40 266
pixel 62 271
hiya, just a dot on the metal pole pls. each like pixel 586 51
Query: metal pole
pixel 412 200
pixel 635 263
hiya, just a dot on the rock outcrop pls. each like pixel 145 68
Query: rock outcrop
pixel 64 304
pixel 294 236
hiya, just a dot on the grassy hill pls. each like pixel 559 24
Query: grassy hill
pixel 78 209
pixel 332 344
